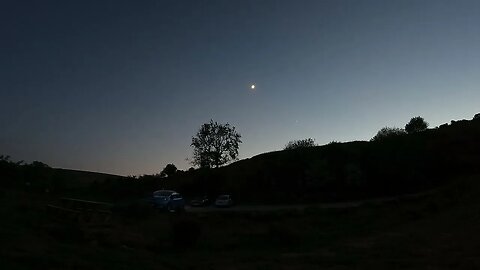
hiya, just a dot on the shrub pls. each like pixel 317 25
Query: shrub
pixel 416 124
pixel 300 144
pixel 388 132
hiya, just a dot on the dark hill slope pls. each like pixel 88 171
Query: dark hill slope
pixel 333 172
pixel 39 177
pixel 341 171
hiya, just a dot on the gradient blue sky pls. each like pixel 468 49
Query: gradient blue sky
pixel 121 86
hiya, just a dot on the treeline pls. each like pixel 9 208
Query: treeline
pixel 35 175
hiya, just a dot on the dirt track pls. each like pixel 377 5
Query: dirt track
pixel 262 208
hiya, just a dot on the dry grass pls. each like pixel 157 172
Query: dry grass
pixel 438 231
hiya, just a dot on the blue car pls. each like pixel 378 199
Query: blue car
pixel 168 200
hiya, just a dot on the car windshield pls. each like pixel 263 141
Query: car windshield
pixel 224 197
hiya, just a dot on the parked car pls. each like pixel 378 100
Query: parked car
pixel 168 200
pixel 200 201
pixel 224 201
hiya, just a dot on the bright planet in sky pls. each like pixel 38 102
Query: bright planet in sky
pixel 252 87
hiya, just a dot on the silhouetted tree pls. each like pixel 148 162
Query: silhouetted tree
pixel 477 116
pixel 300 144
pixel 215 145
pixel 38 164
pixel 168 171
pixel 416 124
pixel 388 132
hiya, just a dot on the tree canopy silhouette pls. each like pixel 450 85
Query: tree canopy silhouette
pixel 169 170
pixel 309 142
pixel 388 132
pixel 416 124
pixel 477 116
pixel 215 145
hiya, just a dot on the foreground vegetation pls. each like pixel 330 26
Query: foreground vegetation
pixel 437 231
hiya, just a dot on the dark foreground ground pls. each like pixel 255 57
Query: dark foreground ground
pixel 436 231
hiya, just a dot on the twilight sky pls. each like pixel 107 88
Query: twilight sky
pixel 121 86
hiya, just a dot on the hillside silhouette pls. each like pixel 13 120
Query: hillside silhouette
pixel 436 229
pixel 341 171
pixel 333 172
pixel 40 178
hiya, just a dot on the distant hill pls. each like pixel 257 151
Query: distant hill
pixel 343 171
pixel 42 178
pixel 78 178
pixel 333 172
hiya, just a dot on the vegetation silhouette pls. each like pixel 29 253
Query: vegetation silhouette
pixel 309 142
pixel 215 144
pixel 388 132
pixel 343 171
pixel 416 124
pixel 333 172
pixel 169 170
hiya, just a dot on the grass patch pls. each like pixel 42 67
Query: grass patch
pixel 438 229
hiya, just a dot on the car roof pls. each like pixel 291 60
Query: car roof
pixel 164 192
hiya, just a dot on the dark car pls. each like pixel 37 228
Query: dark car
pixel 224 201
pixel 200 201
pixel 168 200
